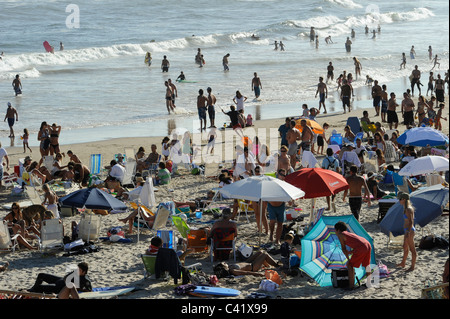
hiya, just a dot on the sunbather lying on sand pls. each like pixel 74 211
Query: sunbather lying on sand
pixel 252 266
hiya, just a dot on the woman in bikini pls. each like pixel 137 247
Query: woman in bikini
pixel 408 242
pixel 421 104
pixel 54 138
pixel 44 138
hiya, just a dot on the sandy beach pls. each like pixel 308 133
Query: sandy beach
pixel 119 264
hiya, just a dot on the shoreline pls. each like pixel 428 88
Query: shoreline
pixel 259 111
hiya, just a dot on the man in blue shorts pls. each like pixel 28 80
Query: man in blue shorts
pixel 202 106
pixel 256 85
pixel 10 114
pixel 276 216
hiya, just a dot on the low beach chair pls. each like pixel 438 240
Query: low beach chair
pixel 130 171
pixel 52 234
pixel 354 123
pixel 149 265
pixel 95 164
pixel 395 242
pixel 368 128
pixel 196 238
pixel 7 243
pixel 245 207
pixel 223 241
pixel 160 221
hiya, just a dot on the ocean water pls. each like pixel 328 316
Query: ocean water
pixel 100 88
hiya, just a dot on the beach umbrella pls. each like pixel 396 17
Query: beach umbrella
pixel 422 136
pixel 315 127
pixel 92 198
pixel 428 203
pixel 317 182
pixel 424 165
pixel 322 252
pixel 262 188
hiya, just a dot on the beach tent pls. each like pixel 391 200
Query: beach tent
pixel 428 203
pixel 322 252
pixel 262 188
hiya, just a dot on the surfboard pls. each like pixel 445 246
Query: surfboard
pixel 105 293
pixel 186 81
pixel 217 291
pixel 48 47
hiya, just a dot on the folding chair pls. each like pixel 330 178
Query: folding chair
pixel 160 221
pixel 400 183
pixel 319 214
pixel 52 234
pixel 167 238
pixel 336 139
pixel 368 128
pixel 308 159
pixel 395 242
pixel 354 123
pixel 350 157
pixel 95 164
pixel 7 243
pixel 149 265
pixel 245 207
pixel 130 171
pixel 129 154
pixel 359 135
pixel 222 242
pixel 196 238
pixel 8 181
pixel 89 227
pixel 48 162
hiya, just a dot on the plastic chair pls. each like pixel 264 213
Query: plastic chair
pixel 245 207
pixel 52 234
pixel 222 240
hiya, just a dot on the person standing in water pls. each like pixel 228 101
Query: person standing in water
pixel 17 85
pixel 256 85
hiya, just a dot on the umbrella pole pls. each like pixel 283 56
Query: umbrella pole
pixel 139 221
pixel 311 215
pixel 260 222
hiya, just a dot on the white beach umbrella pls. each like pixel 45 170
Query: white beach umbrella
pixel 262 188
pixel 425 165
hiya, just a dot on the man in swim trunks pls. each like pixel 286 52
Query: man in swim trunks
pixel 211 107
pixel 356 184
pixel 439 88
pixel 360 253
pixel 256 85
pixel 10 113
pixel 322 90
pixel 202 103
pixel 169 93
pixel 415 80
pixel 384 103
pixel 392 112
pixel 330 71
pixel 346 91
pixel 165 64
pixel 376 95
pixel 292 136
pixel 225 62
pixel 408 110
pixel 276 212
pixel 174 91
pixel 307 136
pixel 17 85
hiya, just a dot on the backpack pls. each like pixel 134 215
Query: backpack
pixel 334 165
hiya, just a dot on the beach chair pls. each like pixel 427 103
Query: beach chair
pixel 149 265
pixel 245 207
pixel 349 158
pixel 95 164
pixel 52 234
pixel 354 123
pixel 9 180
pixel 48 162
pixel 370 162
pixel 336 139
pixel 368 128
pixel 167 238
pixel 359 135
pixel 160 221
pixel 319 214
pixel 395 242
pixel 222 242
pixel 89 227
pixel 129 154
pixel 7 243
pixel 196 238
pixel 168 261
pixel 400 183
pixel 130 171
pixel 33 195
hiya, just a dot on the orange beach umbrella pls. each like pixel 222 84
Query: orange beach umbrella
pixel 315 127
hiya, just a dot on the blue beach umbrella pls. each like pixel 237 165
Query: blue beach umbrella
pixel 422 136
pixel 428 203
pixel 322 252
pixel 92 198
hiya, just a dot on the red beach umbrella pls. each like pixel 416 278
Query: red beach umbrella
pixel 317 182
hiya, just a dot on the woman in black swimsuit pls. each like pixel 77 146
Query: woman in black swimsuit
pixel 54 131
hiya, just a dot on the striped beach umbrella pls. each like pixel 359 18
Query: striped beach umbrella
pixel 322 252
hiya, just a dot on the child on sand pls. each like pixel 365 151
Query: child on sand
pixel 437 121
pixel 25 137
pixel 321 138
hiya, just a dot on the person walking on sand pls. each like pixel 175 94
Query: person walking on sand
pixel 408 226
pixel 355 199
pixel 322 90
pixel 169 97
pixel 12 116
pixel 256 85
pixel 360 253
pixel 392 117
pixel 292 136
pixel 17 85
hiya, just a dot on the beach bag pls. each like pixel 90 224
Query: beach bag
pixel 339 278
pixel 268 285
pixel 383 270
pixel 273 276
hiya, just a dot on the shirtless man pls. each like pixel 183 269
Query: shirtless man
pixel 392 112
pixel 169 93
pixel 384 103
pixel 17 85
pixel 256 85
pixel 439 89
pixel 202 106
pixel 211 107
pixel 348 45
pixel 415 80
pixel 430 83
pixel 323 94
pixel 307 136
pixel 376 95
pixel 330 71
pixel 408 110
pixel 225 62
pixel 346 91
pixel 292 136
pixel 165 64
pixel 73 157
pixel 356 184
pixel 11 112
pixel 284 162
pixel 174 91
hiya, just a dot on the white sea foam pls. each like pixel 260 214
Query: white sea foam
pixel 345 3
